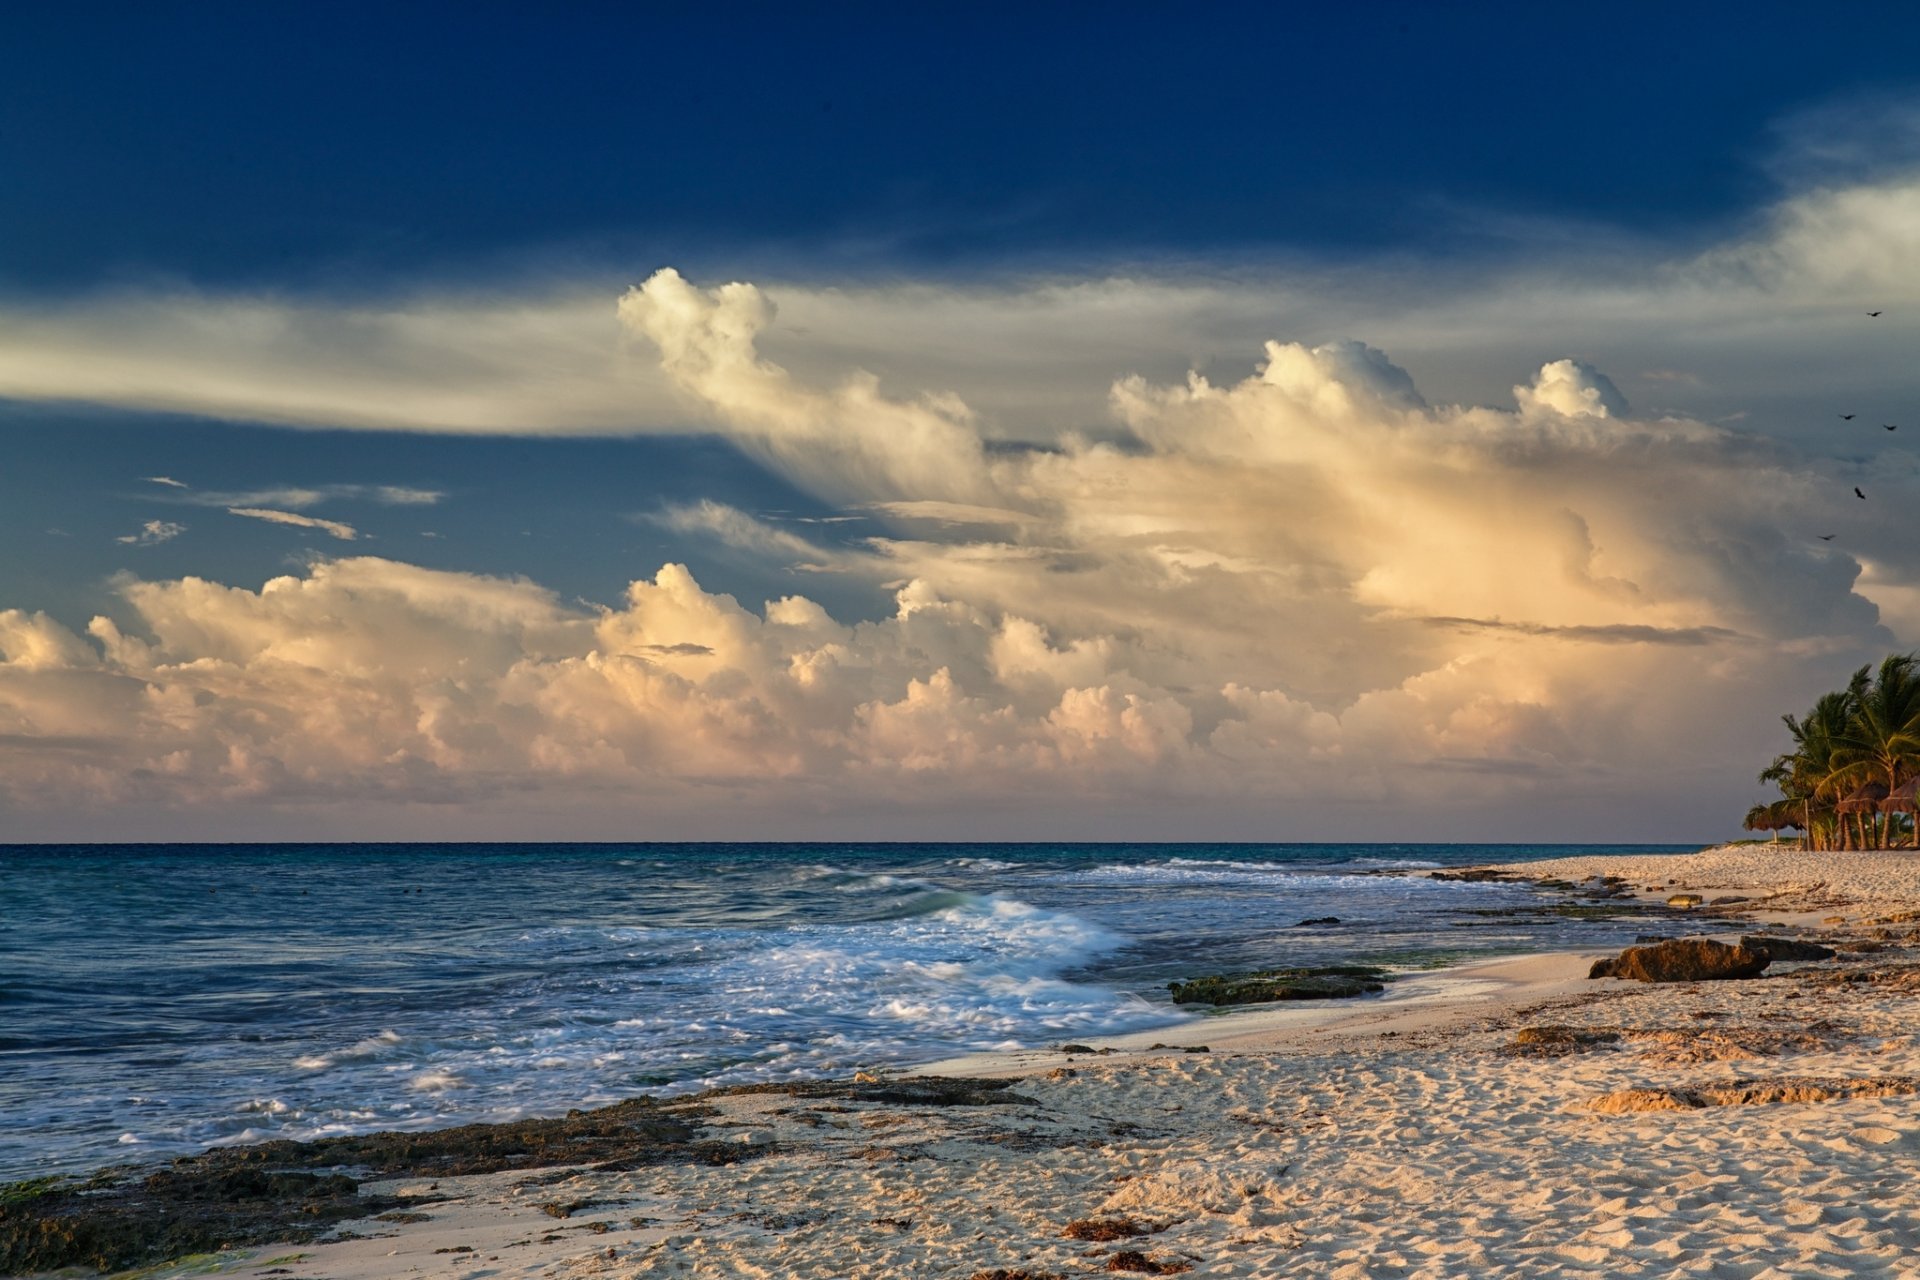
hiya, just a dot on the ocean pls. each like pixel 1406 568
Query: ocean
pixel 156 1000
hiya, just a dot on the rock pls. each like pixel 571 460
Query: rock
pixel 1786 949
pixel 1647 939
pixel 1747 1093
pixel 1685 900
pixel 1832 920
pixel 1305 924
pixel 1555 1041
pixel 1472 875
pixel 1685 960
pixel 1728 900
pixel 1333 982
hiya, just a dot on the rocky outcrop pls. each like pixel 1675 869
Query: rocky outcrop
pixel 1334 982
pixel 1683 960
pixel 1739 1093
pixel 1786 949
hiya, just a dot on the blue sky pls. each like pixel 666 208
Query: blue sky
pixel 348 146
pixel 287 287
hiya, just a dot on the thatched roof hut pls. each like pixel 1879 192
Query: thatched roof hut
pixel 1864 798
pixel 1902 798
pixel 1781 815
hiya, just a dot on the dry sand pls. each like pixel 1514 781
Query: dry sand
pixel 1398 1136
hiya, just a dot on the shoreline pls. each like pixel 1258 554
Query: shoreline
pixel 1406 1132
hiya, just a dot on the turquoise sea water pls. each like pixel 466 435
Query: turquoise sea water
pixel 159 999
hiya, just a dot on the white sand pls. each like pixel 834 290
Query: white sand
pixel 1390 1137
pixel 1796 884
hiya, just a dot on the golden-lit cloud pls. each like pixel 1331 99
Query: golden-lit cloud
pixel 1312 593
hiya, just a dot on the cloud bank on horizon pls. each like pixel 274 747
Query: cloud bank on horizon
pixel 1312 590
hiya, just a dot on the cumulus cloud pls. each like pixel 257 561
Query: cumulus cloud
pixel 152 533
pixel 344 532
pixel 1310 596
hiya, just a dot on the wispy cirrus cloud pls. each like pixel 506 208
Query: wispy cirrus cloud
pixel 1768 321
pixel 303 497
pixel 168 481
pixel 333 528
pixel 152 533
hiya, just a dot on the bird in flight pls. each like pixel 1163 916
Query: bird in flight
pixel 1826 537
pixel 1848 417
pixel 1873 313
pixel 1891 426
pixel 1857 493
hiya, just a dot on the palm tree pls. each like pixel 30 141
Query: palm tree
pixel 1810 774
pixel 1881 741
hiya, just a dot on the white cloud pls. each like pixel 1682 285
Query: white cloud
pixel 344 532
pixel 1311 596
pixel 169 481
pixel 152 533
pixel 301 497
pixel 736 528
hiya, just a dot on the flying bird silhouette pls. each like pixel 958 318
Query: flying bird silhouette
pixel 1891 426
pixel 1848 417
pixel 1826 537
pixel 1857 493
pixel 1873 313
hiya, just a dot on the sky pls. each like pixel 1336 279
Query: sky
pixel 1396 424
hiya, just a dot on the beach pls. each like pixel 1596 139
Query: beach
pixel 1754 1128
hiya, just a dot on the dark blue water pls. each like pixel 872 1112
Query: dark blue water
pixel 158 999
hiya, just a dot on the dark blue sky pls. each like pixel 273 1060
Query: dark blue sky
pixel 346 144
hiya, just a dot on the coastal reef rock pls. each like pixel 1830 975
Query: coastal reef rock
pixel 1737 1093
pixel 1333 982
pixel 288 1192
pixel 1688 900
pixel 906 1091
pixel 1684 960
pixel 1786 949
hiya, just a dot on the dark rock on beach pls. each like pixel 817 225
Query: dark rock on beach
pixel 1787 949
pixel 291 1192
pixel 194 1206
pixel 910 1091
pixel 1308 924
pixel 1333 982
pixel 1684 960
